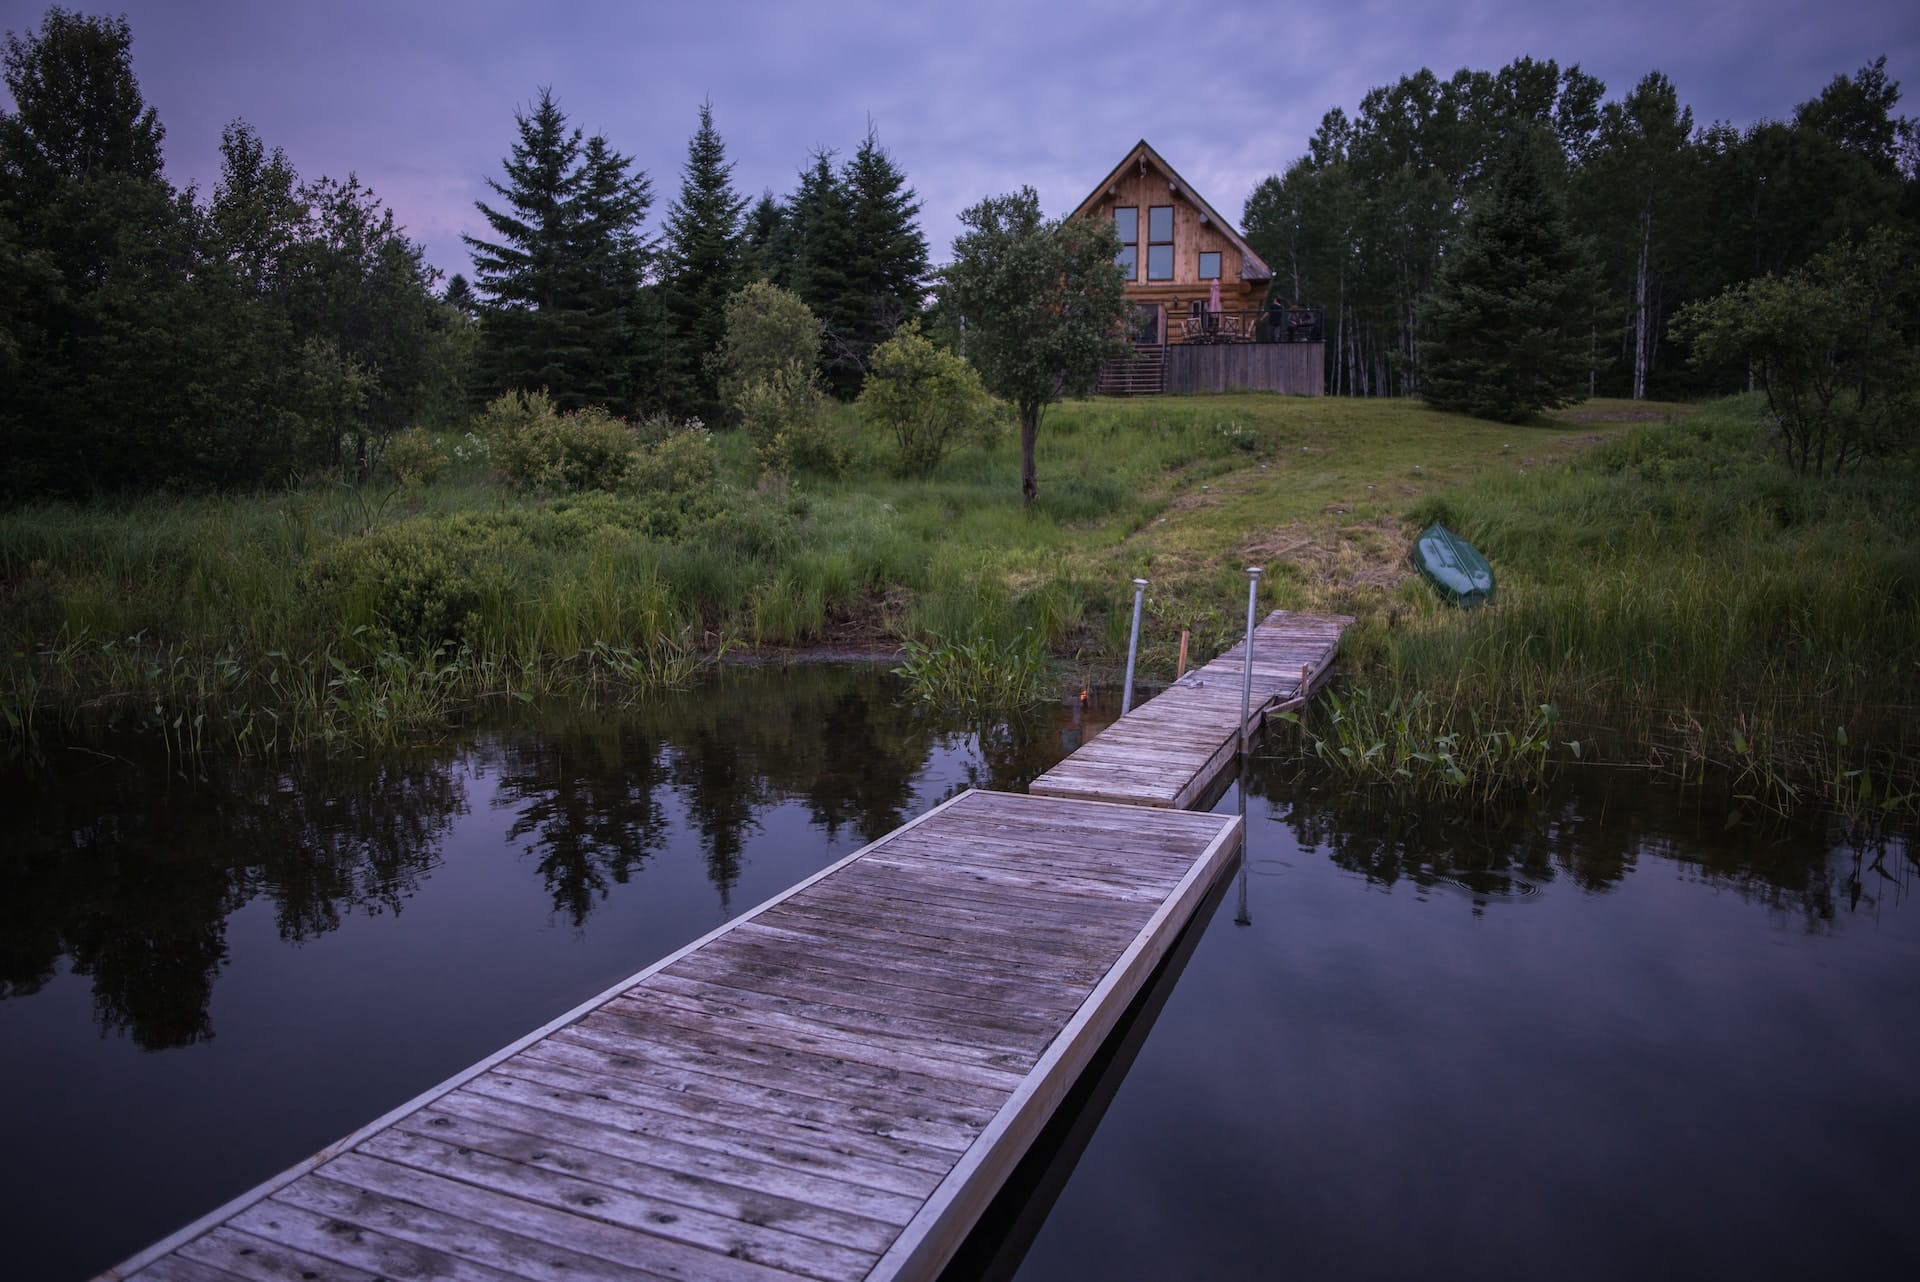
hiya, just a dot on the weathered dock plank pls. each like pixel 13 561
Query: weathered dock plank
pixel 1172 749
pixel 831 1086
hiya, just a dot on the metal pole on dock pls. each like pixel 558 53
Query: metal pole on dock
pixel 1133 646
pixel 1246 685
pixel 1241 916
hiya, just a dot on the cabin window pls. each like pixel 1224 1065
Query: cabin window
pixel 1210 265
pixel 1126 221
pixel 1160 242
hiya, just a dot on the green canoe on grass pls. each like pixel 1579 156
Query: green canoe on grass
pixel 1456 570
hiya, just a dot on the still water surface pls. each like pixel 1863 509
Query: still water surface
pixel 1598 1038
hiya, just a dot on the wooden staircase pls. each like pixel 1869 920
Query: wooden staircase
pixel 1142 374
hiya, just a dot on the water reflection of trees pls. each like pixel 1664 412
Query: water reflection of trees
pixel 128 869
pixel 1594 832
pixel 131 872
pixel 589 791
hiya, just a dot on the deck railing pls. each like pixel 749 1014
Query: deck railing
pixel 1154 323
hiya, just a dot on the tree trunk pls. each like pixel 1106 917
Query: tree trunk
pixel 1029 433
pixel 1641 355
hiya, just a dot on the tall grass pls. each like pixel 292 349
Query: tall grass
pixel 1673 592
pixel 1687 602
pixel 977 676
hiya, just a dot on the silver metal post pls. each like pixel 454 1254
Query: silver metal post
pixel 1242 917
pixel 1246 685
pixel 1133 646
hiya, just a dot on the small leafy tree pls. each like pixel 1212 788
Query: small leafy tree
pixel 1833 347
pixel 1500 340
pixel 927 397
pixel 1041 304
pixel 768 328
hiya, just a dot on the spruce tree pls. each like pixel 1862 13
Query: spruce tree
pixel 887 275
pixel 530 328
pixel 611 264
pixel 1501 337
pixel 823 253
pixel 703 264
pixel 563 280
pixel 769 247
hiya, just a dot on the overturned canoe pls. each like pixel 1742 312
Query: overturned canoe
pixel 1456 570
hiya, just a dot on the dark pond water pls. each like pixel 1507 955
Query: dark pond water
pixel 1603 1037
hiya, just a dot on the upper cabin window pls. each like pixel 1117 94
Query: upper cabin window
pixel 1210 265
pixel 1126 221
pixel 1160 242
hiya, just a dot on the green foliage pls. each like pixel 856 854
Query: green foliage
pixel 702 262
pixel 977 675
pixel 927 399
pixel 1835 346
pixel 680 463
pixel 414 458
pixel 1500 342
pixel 785 400
pixel 150 341
pixel 768 330
pixel 535 448
pixel 1363 223
pixel 561 280
pixel 1424 748
pixel 413 582
pixel 1043 304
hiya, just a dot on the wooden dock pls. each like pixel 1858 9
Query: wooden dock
pixel 830 1086
pixel 1171 750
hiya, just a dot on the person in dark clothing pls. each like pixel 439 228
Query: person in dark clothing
pixel 1276 319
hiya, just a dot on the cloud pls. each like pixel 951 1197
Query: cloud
pixel 970 101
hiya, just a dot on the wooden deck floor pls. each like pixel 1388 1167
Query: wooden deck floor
pixel 1171 749
pixel 830 1086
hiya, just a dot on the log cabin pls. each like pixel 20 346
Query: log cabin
pixel 1175 249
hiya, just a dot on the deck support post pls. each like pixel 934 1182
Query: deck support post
pixel 1133 646
pixel 1246 685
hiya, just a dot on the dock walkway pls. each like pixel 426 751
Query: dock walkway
pixel 1171 750
pixel 831 1086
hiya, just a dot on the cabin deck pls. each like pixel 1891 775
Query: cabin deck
pixel 1172 749
pixel 830 1086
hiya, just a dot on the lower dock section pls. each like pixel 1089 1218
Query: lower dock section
pixel 830 1086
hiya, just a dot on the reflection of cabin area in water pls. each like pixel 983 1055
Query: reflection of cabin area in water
pixel 1204 317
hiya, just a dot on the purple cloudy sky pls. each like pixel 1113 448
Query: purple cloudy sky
pixel 970 99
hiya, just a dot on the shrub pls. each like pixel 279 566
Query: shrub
pixel 413 458
pixel 413 582
pixel 681 463
pixel 786 398
pixel 536 449
pixel 928 398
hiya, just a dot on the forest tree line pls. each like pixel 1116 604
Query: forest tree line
pixel 275 327
pixel 153 337
pixel 1669 211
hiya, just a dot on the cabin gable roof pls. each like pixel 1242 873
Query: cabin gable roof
pixel 1253 267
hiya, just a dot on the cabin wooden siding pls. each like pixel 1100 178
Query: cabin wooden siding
pixel 1144 180
pixel 1191 238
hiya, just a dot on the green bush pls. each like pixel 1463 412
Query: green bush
pixel 787 398
pixel 534 448
pixel 413 458
pixel 412 582
pixel 682 463
pixel 927 398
